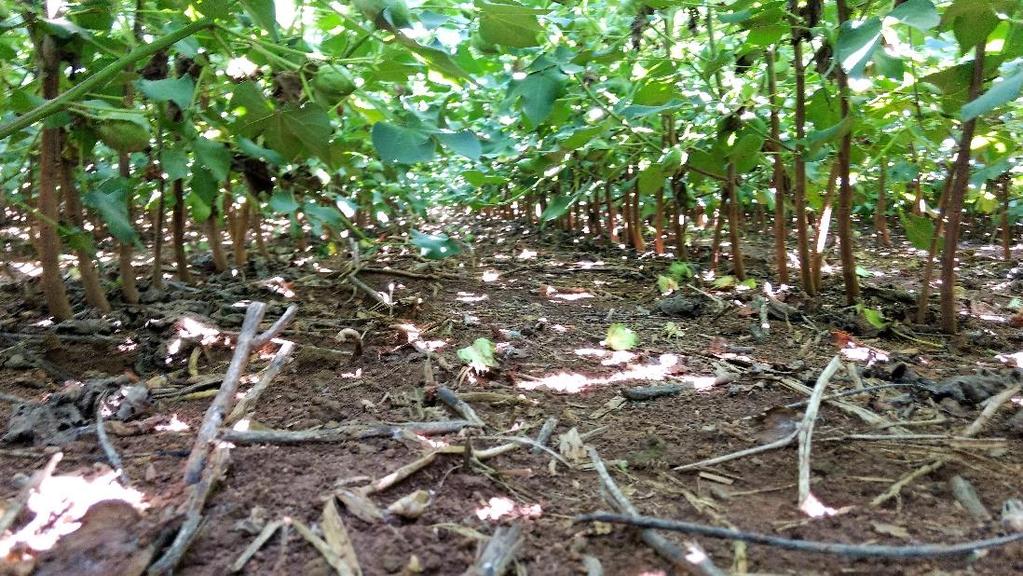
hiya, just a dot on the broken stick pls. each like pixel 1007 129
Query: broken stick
pixel 496 556
pixel 225 396
pixel 695 559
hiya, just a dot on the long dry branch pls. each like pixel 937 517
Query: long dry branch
pixel 222 401
pixel 836 548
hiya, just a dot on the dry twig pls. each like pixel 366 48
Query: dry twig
pixel 695 559
pixel 222 402
pixel 836 548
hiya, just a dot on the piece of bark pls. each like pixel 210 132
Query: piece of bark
pixel 966 495
pixel 494 558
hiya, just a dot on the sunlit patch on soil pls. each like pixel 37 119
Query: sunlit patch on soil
pixel 1015 359
pixel 491 275
pixel 610 357
pixel 173 425
pixel 814 508
pixel 59 504
pixel 471 297
pixel 502 507
pixel 574 383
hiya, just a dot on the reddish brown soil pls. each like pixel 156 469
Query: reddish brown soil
pixel 646 438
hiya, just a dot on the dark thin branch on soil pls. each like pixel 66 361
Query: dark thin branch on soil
pixel 247 404
pixel 545 434
pixel 200 491
pixel 342 433
pixel 701 563
pixel 811 546
pixel 496 556
pixel 450 397
pixel 108 449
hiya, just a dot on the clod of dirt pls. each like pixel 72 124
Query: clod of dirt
pixel 85 327
pixel 107 543
pixel 1016 423
pixel 679 306
pixel 63 416
pixel 974 388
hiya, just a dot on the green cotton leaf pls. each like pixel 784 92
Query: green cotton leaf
pixel 478 179
pixel 620 337
pixel 749 283
pixel 176 90
pixel 651 179
pixel 539 90
pixel 320 216
pixel 463 142
pixel 214 156
pixel 110 201
pixel 1004 91
pixel 888 66
pixel 400 145
pixel 175 163
pixel 435 58
pixel 509 23
pixel 202 193
pixel 263 13
pixel 254 150
pixel 636 111
pixel 681 270
pixel 736 17
pixel 919 14
pixel 557 207
pixel 479 356
pixel 654 94
pixel 919 230
pixel 707 162
pixel 856 44
pixel 724 282
pixel 1015 304
pixel 818 138
pixel 581 137
pixel 666 284
pixel 874 317
pixel 77 239
pixel 863 272
pixel 297 132
pixel 746 147
pixel 434 246
pixel 252 111
pixel 214 8
pixel 283 202
pixel 971 21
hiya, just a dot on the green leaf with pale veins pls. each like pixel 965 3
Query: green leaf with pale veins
pixel 463 142
pixel 509 23
pixel 919 14
pixel 214 156
pixel 295 132
pixel 434 246
pixel 856 44
pixel 1006 90
pixel 400 145
pixel 176 90
pixel 621 337
pixel 919 230
pixel 109 200
pixel 538 92
pixel 263 13
pixel 479 356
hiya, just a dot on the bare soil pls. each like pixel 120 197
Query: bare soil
pixel 547 301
